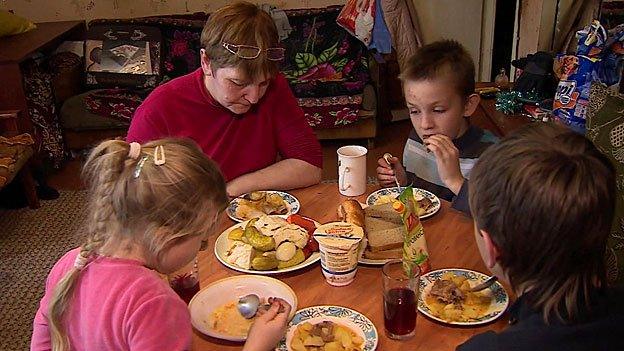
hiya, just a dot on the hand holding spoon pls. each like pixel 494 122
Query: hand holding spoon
pixel 248 305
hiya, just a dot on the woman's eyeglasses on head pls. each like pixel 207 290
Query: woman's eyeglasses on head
pixel 249 52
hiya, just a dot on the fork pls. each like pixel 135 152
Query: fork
pixel 387 156
pixel 486 284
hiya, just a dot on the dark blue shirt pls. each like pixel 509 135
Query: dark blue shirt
pixel 602 329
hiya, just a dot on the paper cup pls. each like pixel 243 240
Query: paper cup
pixel 352 170
pixel 339 247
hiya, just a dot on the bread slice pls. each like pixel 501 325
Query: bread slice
pixel 385 239
pixel 373 224
pixel 383 255
pixel 383 211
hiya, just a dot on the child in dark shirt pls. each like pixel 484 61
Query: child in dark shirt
pixel 543 202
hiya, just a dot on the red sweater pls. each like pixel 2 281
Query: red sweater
pixel 240 144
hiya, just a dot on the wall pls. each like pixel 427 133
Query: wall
pixel 63 10
pixel 463 21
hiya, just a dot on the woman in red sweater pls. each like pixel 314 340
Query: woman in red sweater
pixel 237 107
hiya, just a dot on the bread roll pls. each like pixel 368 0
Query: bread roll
pixel 351 211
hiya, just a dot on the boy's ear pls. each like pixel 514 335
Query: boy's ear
pixel 205 62
pixel 471 104
pixel 491 250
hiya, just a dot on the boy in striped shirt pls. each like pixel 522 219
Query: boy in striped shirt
pixel 442 147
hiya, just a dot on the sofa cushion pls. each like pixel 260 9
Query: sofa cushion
pixel 123 56
pixel 322 58
pixel 180 38
pixel 14 153
pixel 12 24
pixel 76 116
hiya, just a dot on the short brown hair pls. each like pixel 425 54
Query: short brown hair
pixel 546 196
pixel 241 23
pixel 444 56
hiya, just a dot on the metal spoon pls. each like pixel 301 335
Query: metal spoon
pixel 486 284
pixel 248 306
pixel 387 156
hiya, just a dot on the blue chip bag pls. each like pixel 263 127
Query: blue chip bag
pixel 591 40
pixel 612 61
pixel 576 74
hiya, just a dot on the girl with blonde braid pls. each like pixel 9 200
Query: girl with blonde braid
pixel 151 210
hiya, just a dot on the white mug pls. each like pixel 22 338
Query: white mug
pixel 352 170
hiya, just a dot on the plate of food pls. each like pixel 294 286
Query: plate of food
pixel 214 312
pixel 258 203
pixel 444 297
pixel 269 244
pixel 428 203
pixel 329 328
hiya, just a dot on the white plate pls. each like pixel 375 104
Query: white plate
pixel 394 192
pixel 230 289
pixel 292 204
pixel 356 321
pixel 500 299
pixel 221 247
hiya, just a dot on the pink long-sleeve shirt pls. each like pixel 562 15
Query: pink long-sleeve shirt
pixel 118 304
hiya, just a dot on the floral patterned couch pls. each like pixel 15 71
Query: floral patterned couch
pixel 328 71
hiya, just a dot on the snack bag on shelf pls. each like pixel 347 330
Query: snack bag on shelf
pixel 414 244
pixel 576 74
pixel 610 69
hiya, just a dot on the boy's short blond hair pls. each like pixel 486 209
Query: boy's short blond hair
pixel 546 196
pixel 442 57
pixel 241 23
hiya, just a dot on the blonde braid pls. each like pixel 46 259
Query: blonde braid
pixel 102 169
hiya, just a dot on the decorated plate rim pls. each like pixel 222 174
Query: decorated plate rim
pixel 434 199
pixel 351 315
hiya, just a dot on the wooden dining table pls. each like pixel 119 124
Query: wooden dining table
pixel 451 244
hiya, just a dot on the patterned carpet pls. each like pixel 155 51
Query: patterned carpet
pixel 31 241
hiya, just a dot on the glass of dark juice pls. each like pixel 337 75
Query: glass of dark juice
pixel 400 299
pixel 185 281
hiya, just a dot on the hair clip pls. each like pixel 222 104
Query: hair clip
pixel 81 261
pixel 135 150
pixel 139 166
pixel 159 158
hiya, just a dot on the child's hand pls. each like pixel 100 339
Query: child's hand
pixel 386 172
pixel 447 159
pixel 269 327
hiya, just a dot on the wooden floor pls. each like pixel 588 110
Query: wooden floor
pixel 391 138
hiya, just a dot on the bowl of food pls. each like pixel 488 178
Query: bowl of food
pixel 445 296
pixel 329 328
pixel 214 308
